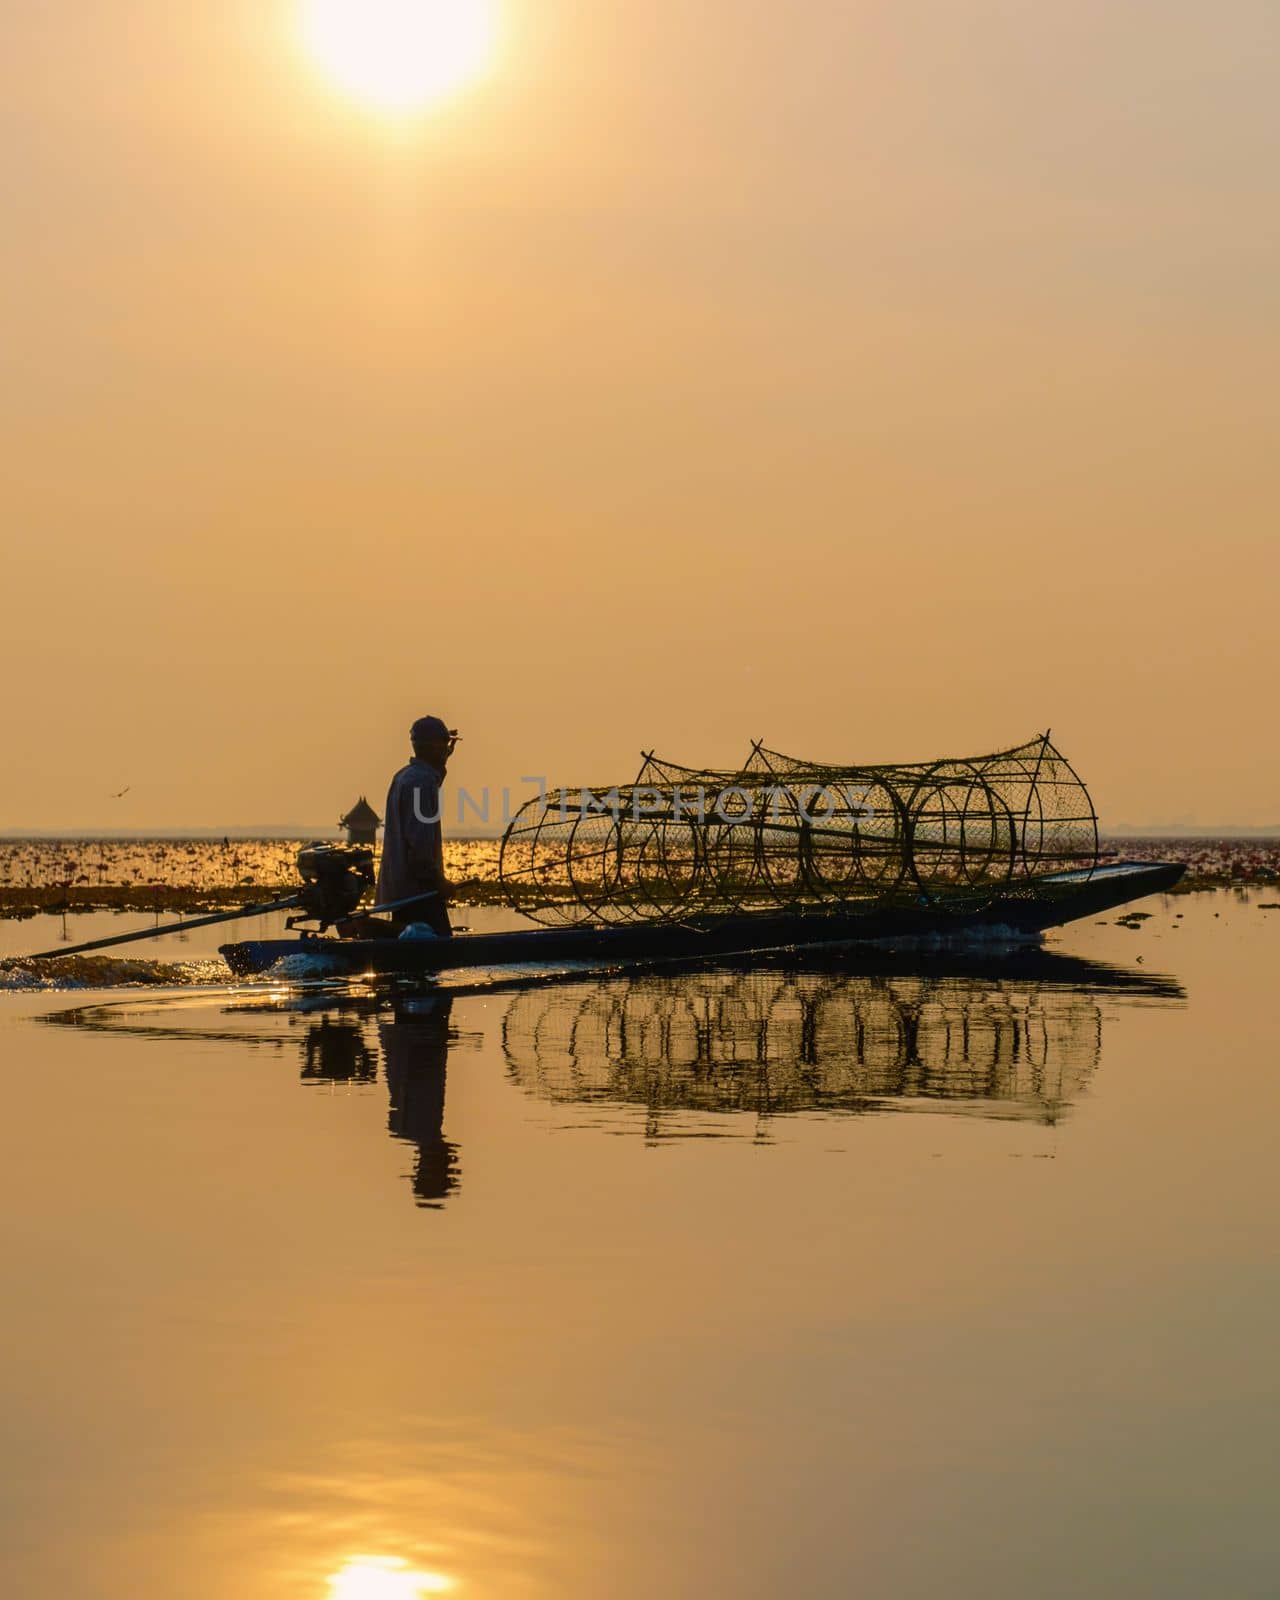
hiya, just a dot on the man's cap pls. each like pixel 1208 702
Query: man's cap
pixel 427 728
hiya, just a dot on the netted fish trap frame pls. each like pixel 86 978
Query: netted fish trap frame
pixel 785 834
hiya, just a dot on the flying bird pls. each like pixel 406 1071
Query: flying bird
pixel 120 792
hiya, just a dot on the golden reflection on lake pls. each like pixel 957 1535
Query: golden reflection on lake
pixel 893 1281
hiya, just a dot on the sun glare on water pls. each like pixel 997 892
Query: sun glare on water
pixel 384 1578
pixel 399 56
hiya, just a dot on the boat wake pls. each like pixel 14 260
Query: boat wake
pixel 108 972
pixel 300 967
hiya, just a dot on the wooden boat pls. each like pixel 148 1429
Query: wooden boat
pixel 1025 909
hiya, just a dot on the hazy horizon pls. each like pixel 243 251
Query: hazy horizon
pixel 303 830
pixel 888 382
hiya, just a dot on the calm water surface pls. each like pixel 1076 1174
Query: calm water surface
pixel 805 1282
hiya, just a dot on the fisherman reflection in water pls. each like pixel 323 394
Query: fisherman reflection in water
pixel 415 1053
pixel 414 1037
pixel 412 843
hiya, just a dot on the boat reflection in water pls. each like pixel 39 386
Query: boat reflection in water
pixel 1016 1037
pixel 1018 1040
pixel 721 1051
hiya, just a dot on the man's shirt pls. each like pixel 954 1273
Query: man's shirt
pixel 412 842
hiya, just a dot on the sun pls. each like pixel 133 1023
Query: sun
pixel 385 1578
pixel 399 56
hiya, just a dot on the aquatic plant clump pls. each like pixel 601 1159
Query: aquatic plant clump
pixel 784 833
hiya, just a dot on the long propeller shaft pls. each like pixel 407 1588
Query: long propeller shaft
pixel 172 927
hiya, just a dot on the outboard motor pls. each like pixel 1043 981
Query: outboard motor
pixel 334 880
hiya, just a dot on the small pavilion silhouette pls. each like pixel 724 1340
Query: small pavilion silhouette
pixel 361 823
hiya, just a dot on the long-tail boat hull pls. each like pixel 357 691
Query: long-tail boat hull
pixel 1030 909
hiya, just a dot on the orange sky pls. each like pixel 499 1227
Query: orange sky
pixel 883 380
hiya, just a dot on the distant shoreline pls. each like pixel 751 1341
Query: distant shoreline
pixel 1267 835
pixel 208 836
pixel 59 875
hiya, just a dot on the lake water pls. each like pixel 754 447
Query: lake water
pixel 879 1281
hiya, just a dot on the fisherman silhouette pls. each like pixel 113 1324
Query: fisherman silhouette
pixel 412 861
